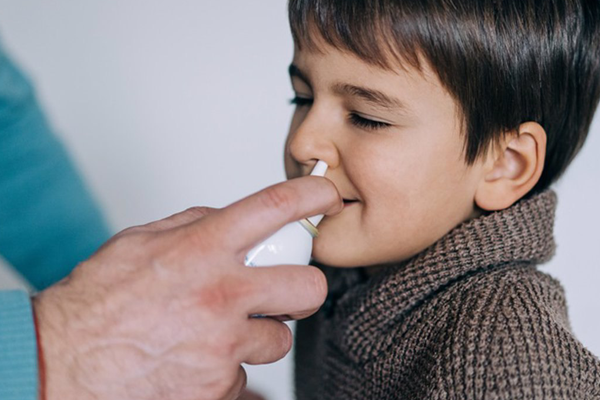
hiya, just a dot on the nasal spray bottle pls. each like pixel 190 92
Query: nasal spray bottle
pixel 292 244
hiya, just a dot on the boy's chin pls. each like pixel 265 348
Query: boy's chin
pixel 332 262
pixel 328 254
pixel 339 259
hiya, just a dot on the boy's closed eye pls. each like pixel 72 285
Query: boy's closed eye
pixel 357 119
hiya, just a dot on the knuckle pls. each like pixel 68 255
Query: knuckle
pixel 129 253
pixel 278 198
pixel 128 243
pixel 221 296
pixel 137 240
pixel 131 231
pixel 198 211
pixel 213 299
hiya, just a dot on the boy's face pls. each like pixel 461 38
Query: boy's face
pixel 394 147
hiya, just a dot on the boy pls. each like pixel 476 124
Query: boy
pixel 443 122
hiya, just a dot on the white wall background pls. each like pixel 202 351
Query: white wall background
pixel 169 104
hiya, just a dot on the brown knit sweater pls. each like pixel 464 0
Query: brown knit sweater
pixel 469 318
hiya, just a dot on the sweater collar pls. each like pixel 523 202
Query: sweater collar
pixel 521 233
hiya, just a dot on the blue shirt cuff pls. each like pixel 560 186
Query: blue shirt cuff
pixel 18 347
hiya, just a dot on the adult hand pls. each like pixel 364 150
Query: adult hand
pixel 161 311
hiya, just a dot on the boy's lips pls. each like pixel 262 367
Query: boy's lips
pixel 349 202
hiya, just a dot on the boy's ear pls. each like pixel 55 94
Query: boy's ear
pixel 513 168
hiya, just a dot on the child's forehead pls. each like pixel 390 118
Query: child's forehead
pixel 329 64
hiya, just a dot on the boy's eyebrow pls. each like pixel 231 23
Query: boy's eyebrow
pixel 375 97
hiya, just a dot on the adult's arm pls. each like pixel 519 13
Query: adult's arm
pixel 48 220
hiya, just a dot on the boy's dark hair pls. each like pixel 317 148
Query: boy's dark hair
pixel 505 61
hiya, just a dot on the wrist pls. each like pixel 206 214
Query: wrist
pixel 57 346
pixel 53 376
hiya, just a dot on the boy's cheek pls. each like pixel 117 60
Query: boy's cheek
pixel 393 231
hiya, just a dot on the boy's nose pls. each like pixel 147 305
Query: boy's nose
pixel 313 141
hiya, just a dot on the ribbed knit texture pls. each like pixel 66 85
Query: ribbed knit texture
pixel 18 348
pixel 469 318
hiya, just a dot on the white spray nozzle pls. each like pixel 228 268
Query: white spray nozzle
pixel 319 170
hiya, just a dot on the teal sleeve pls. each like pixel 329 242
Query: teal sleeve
pixel 48 220
pixel 18 347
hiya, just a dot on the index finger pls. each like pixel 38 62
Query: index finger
pixel 243 224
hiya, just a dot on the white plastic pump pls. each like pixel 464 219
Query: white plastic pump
pixel 292 244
